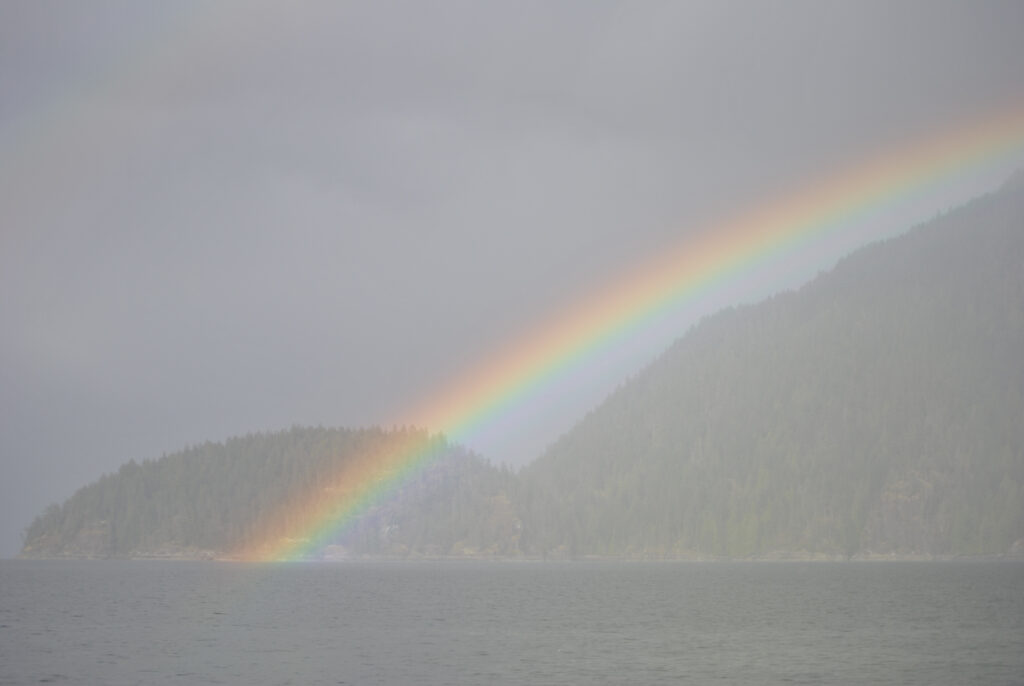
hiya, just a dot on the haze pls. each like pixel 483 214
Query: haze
pixel 233 217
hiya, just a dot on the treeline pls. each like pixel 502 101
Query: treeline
pixel 879 410
pixel 243 495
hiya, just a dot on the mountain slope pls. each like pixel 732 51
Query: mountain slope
pixel 878 410
pixel 240 495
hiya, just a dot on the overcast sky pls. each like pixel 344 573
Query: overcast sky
pixel 218 218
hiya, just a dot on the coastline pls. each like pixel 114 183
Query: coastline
pixel 189 555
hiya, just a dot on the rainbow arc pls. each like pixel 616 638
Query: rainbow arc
pixel 718 256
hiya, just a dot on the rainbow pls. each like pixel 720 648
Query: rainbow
pixel 718 256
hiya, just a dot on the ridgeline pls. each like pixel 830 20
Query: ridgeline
pixel 876 412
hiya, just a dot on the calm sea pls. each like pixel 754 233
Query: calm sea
pixel 511 623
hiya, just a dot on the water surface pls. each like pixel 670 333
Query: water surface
pixel 124 622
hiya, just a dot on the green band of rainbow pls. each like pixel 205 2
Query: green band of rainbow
pixel 718 256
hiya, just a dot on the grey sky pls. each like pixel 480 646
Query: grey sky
pixel 218 218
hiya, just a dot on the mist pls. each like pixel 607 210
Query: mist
pixel 221 219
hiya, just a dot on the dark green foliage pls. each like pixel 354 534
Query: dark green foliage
pixel 220 497
pixel 878 410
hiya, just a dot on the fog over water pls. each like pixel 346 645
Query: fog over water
pixel 217 219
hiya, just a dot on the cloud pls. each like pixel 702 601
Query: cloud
pixel 217 218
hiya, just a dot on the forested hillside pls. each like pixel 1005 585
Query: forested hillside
pixel 219 498
pixel 878 410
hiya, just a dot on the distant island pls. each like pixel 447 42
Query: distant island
pixel 876 413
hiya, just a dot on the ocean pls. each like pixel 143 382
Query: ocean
pixel 150 622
